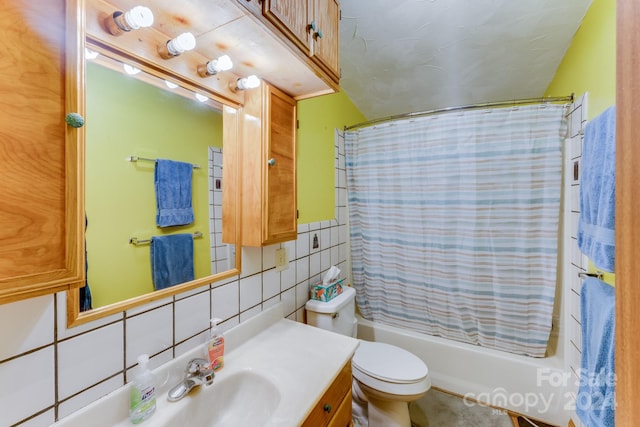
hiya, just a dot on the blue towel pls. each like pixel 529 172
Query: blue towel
pixel 595 403
pixel 173 193
pixel 596 225
pixel 171 260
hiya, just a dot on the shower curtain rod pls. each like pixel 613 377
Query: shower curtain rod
pixel 569 98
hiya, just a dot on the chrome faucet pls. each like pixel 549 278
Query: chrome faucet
pixel 198 372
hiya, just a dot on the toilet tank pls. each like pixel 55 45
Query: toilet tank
pixel 337 315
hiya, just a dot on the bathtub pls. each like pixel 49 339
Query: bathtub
pixel 538 388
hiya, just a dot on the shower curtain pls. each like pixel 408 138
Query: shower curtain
pixel 454 224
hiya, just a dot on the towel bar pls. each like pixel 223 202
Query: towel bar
pixel 145 159
pixel 598 275
pixel 135 241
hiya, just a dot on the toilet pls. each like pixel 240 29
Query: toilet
pixel 385 377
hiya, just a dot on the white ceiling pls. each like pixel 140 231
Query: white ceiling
pixel 400 56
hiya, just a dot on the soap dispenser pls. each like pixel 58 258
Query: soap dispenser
pixel 143 392
pixel 215 346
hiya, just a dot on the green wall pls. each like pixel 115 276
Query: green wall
pixel 590 62
pixel 124 118
pixel 318 118
pixel 590 65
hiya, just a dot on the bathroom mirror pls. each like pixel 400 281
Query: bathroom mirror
pixel 134 117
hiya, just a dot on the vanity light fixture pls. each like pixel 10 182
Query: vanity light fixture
pixel 170 85
pixel 174 47
pixel 201 98
pixel 120 22
pixel 248 82
pixel 131 70
pixel 214 66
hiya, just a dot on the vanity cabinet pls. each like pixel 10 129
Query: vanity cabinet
pixel 41 203
pixel 311 25
pixel 334 407
pixel 268 167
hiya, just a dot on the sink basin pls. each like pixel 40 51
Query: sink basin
pixel 266 358
pixel 245 398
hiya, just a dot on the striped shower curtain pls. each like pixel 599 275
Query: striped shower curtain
pixel 454 224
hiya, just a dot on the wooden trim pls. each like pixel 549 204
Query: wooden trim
pixel 627 212
pixel 75 317
pixel 75 141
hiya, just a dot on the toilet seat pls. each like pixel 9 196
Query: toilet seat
pixel 390 369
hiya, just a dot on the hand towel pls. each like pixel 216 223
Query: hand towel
pixel 171 260
pixel 173 193
pixel 596 224
pixel 595 403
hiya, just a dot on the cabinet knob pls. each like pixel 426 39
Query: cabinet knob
pixel 271 162
pixel 312 26
pixel 327 408
pixel 74 120
pixel 318 34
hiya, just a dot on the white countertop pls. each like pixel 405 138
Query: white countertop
pixel 300 360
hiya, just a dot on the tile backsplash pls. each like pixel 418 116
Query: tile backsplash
pixel 48 371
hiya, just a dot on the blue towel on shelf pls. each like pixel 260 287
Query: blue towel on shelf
pixel 171 260
pixel 595 403
pixel 173 193
pixel 596 224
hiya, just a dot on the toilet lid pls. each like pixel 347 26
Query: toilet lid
pixel 388 363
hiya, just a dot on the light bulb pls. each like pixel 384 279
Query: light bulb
pixel 130 69
pixel 221 64
pixel 90 54
pixel 214 66
pixel 139 17
pixel 201 98
pixel 170 85
pixel 249 82
pixel 119 23
pixel 182 43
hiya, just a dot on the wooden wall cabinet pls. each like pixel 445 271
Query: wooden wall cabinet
pixel 326 37
pixel 311 25
pixel 268 167
pixel 41 191
pixel 334 407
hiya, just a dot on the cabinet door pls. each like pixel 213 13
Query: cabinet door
pixel 326 44
pixel 40 156
pixel 326 37
pixel 280 188
pixel 291 17
pixel 334 407
pixel 255 6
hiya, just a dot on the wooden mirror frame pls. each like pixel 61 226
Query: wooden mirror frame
pixel 231 206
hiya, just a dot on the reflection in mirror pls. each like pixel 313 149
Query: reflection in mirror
pixel 134 118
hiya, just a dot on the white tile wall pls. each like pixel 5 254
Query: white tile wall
pixel 220 260
pixel 141 339
pixel 27 385
pixel 577 262
pixel 89 358
pixel 74 367
pixel 192 315
pixel 29 322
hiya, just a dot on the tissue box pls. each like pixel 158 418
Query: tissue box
pixel 322 292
